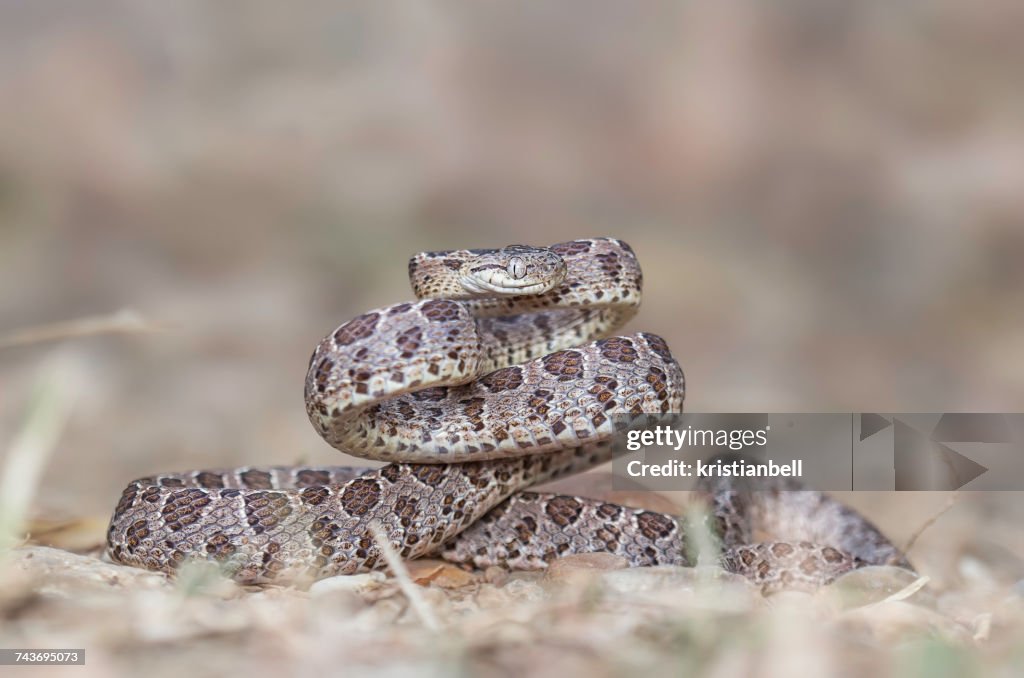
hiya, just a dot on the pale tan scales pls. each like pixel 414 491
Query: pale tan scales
pixel 498 378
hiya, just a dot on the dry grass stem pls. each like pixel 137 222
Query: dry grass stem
pixel 950 502
pixel 48 409
pixel 405 581
pixel 125 321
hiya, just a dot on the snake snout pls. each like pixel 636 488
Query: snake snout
pixel 513 270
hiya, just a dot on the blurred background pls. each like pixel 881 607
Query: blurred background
pixel 826 198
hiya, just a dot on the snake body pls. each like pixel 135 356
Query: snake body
pixel 501 376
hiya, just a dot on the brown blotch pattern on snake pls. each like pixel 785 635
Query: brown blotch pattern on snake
pixel 618 349
pixel 360 496
pixel 505 379
pixel 358 328
pixel 441 310
pixel 565 365
pixel 564 511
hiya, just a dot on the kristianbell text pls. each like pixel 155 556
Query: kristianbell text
pixel 676 468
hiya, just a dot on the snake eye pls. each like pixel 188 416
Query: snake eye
pixel 516 268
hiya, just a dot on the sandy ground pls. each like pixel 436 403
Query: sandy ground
pixel 585 615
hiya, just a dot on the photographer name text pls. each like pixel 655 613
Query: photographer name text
pixel 676 468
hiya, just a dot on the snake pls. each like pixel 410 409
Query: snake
pixel 506 372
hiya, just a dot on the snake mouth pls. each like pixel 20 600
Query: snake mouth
pixel 506 287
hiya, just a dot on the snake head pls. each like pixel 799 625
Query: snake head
pixel 516 269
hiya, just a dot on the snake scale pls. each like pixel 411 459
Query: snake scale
pixel 503 375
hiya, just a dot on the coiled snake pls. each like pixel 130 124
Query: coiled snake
pixel 500 377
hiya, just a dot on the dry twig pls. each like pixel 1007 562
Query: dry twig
pixel 125 321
